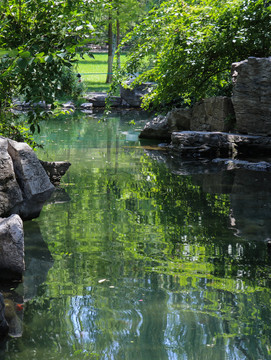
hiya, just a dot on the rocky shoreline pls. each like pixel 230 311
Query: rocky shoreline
pixel 25 184
pixel 222 126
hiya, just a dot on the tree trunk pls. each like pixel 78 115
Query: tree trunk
pixel 118 41
pixel 110 50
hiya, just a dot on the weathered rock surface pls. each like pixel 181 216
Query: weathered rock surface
pixel 25 106
pixel 10 192
pixel 98 99
pixel 86 106
pixel 179 119
pixel 30 174
pixel 24 184
pixel 133 97
pixel 215 144
pixel 55 170
pixel 252 95
pixel 156 129
pixel 3 323
pixel 212 114
pixel 11 246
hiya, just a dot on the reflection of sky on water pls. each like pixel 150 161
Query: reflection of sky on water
pixel 131 135
pixel 186 322
pixel 83 314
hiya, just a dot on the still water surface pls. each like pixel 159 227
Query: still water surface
pixel 141 256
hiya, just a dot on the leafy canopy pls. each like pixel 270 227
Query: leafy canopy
pixel 38 39
pixel 187 48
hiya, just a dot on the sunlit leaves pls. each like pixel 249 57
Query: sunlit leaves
pixel 187 48
pixel 37 40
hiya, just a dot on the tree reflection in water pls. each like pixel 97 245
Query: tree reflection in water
pixel 154 257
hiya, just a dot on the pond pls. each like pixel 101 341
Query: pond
pixel 142 255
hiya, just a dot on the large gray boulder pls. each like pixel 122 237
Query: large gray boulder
pixel 11 246
pixel 29 172
pixel 24 184
pixel 10 192
pixel 179 119
pixel 157 128
pixel 212 114
pixel 98 99
pixel 133 96
pixel 252 95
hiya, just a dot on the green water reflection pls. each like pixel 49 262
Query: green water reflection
pixel 134 260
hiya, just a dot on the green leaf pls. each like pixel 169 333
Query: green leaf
pixel 22 63
pixel 25 54
pixel 13 53
pixel 49 58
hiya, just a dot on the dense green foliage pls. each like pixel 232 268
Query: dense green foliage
pixel 39 41
pixel 187 48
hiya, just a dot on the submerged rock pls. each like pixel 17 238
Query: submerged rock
pixel 38 261
pixel 14 321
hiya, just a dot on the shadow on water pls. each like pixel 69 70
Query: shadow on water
pixel 249 192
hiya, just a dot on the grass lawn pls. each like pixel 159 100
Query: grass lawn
pixel 94 71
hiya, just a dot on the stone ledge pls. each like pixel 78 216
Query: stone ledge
pixel 214 144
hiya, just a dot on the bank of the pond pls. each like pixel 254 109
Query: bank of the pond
pixel 223 126
pixel 25 185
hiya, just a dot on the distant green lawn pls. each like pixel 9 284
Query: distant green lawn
pixel 94 71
